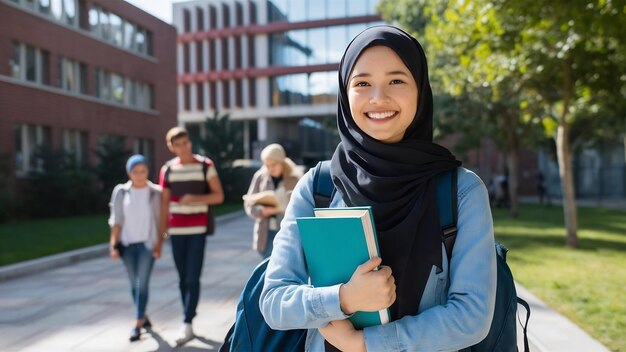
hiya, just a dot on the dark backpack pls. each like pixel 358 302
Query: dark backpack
pixel 250 332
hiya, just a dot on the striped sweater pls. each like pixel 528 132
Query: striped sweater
pixel 181 179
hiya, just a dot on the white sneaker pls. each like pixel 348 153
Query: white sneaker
pixel 185 335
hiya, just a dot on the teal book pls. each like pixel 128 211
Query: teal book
pixel 335 242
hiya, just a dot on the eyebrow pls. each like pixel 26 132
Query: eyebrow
pixel 391 73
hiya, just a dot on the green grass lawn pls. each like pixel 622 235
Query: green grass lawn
pixel 587 285
pixel 23 240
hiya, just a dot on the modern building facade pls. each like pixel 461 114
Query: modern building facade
pixel 76 73
pixel 269 63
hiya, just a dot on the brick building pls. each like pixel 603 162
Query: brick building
pixel 74 73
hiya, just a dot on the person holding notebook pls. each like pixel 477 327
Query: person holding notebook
pixel 280 175
pixel 387 160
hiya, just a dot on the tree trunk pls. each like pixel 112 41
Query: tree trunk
pixel 512 160
pixel 565 163
pixel 567 181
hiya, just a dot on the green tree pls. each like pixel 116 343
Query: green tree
pixel 222 142
pixel 111 167
pixel 556 64
pixel 477 82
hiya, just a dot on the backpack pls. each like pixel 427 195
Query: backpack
pixel 250 332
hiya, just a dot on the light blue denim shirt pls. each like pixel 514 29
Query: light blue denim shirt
pixel 452 315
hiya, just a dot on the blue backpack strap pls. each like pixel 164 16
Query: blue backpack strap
pixel 323 187
pixel 446 184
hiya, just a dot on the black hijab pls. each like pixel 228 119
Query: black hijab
pixel 396 179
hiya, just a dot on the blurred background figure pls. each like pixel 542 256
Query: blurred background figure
pixel 280 175
pixel 134 221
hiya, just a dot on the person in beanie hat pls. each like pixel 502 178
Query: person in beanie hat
pixel 279 175
pixel 134 221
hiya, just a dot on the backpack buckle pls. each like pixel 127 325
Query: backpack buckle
pixel 449 231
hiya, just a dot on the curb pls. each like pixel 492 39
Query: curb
pixel 32 266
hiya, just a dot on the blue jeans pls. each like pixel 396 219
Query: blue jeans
pixel 138 261
pixel 188 252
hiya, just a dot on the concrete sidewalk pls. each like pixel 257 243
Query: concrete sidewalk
pixel 86 305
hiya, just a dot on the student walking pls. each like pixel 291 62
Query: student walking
pixel 134 222
pixel 190 184
pixel 280 175
pixel 387 160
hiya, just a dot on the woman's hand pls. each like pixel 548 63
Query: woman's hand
pixel 341 334
pixel 269 211
pixel 114 253
pixel 368 290
pixel 156 251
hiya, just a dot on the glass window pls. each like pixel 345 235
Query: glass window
pixel 19 148
pixel 56 7
pixel 357 8
pixel 96 82
pixel 323 87
pixel 199 57
pixel 298 48
pixel 225 94
pixel 277 10
pixel 116 29
pixel 355 29
pixel 186 58
pixel 187 97
pixel 69 75
pixel 337 41
pixel 212 17
pixel 149 46
pixel 186 20
pixel 317 9
pixel 45 67
pixel 199 19
pixel 131 91
pixel 117 87
pixel 151 97
pixel 141 98
pixel 297 11
pixel 225 15
pixel 82 73
pixel 337 8
pixel 104 25
pixel 44 6
pixel 105 85
pixel 140 40
pixel 16 61
pixel 317 43
pixel 129 35
pixel 31 66
pixel 93 19
pixel 70 11
pixel 200 96
pixel 373 4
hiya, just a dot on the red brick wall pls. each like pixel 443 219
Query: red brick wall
pixel 23 104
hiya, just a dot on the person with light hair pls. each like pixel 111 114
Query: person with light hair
pixel 276 179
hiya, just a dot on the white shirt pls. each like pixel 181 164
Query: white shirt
pixel 137 220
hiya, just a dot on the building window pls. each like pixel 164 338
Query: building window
pixel 29 140
pixel 72 75
pixel 31 70
pixel 252 92
pixel 121 90
pixel 250 51
pixel 199 19
pixel 225 16
pixel 213 95
pixel 119 31
pixel 117 88
pixel 225 55
pixel 186 58
pixel 239 14
pixel 187 97
pixel 75 143
pixel 29 63
pixel 212 17
pixel 200 96
pixel 253 14
pixel 199 57
pixel 212 55
pixel 186 20
pixel 289 90
pixel 225 94
pixel 238 52
pixel 238 93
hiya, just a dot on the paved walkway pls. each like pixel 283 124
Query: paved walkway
pixel 86 306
